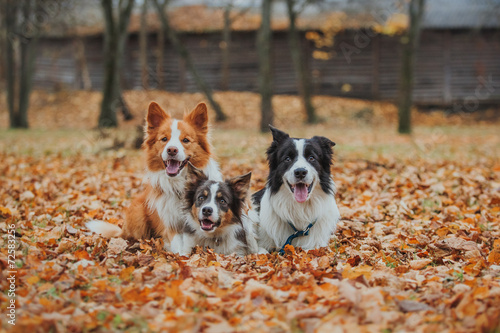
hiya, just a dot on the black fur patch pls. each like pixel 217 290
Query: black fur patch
pixel 225 193
pixel 193 192
pixel 188 230
pixel 257 198
pixel 241 235
pixel 321 148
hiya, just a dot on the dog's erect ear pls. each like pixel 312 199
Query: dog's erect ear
pixel 193 179
pixel 324 142
pixel 194 174
pixel 278 135
pixel 240 185
pixel 156 116
pixel 198 117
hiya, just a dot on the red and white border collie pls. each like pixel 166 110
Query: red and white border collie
pixel 215 215
pixel 298 203
pixel 169 144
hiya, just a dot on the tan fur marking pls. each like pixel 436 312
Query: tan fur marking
pixel 141 222
pixel 227 219
pixel 198 148
pixel 154 146
pixel 194 212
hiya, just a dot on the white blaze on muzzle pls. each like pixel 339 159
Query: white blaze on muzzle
pixel 208 221
pixel 177 156
pixel 301 187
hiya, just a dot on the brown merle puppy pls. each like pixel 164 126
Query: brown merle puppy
pixel 215 215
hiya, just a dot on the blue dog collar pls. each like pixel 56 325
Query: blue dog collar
pixel 296 234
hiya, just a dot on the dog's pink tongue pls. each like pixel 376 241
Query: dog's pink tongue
pixel 206 225
pixel 173 167
pixel 300 192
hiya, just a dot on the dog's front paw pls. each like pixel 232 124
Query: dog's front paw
pixel 262 251
pixel 176 246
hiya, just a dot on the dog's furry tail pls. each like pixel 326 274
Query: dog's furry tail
pixel 106 229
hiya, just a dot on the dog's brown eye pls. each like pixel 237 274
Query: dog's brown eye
pixel 288 159
pixel 311 158
pixel 201 198
pixel 222 201
pixel 185 140
pixel 164 139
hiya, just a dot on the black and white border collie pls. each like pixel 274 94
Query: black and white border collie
pixel 215 216
pixel 298 202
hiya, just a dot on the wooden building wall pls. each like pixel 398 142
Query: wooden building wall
pixel 451 65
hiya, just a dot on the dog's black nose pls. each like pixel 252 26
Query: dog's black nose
pixel 172 151
pixel 300 173
pixel 207 211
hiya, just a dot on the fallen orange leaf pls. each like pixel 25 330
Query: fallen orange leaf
pixel 33 279
pixel 481 292
pixel 352 273
pixel 5 212
pixel 82 254
pixel 494 257
pixel 126 273
pixel 290 249
pixel 419 263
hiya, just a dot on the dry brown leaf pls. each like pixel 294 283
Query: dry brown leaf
pixel 419 263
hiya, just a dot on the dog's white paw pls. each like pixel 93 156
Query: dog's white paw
pixel 262 251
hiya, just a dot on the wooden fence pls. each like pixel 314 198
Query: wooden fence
pixel 451 66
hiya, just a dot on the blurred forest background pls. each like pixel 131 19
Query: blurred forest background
pixel 67 64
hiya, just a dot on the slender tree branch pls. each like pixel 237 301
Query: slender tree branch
pixel 184 54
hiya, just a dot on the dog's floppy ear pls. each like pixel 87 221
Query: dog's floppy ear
pixel 198 117
pixel 156 116
pixel 194 175
pixel 240 185
pixel 278 135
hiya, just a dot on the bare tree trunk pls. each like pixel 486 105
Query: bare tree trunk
pixel 301 70
pixel 10 59
pixel 28 46
pixel 265 76
pixel 20 58
pixel 184 54
pixel 159 60
pixel 3 45
pixel 114 43
pixel 226 37
pixel 143 46
pixel 127 115
pixel 122 40
pixel 416 9
pixel 82 64
pixel 107 117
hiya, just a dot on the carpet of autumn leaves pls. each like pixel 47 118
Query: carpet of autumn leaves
pixel 418 247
